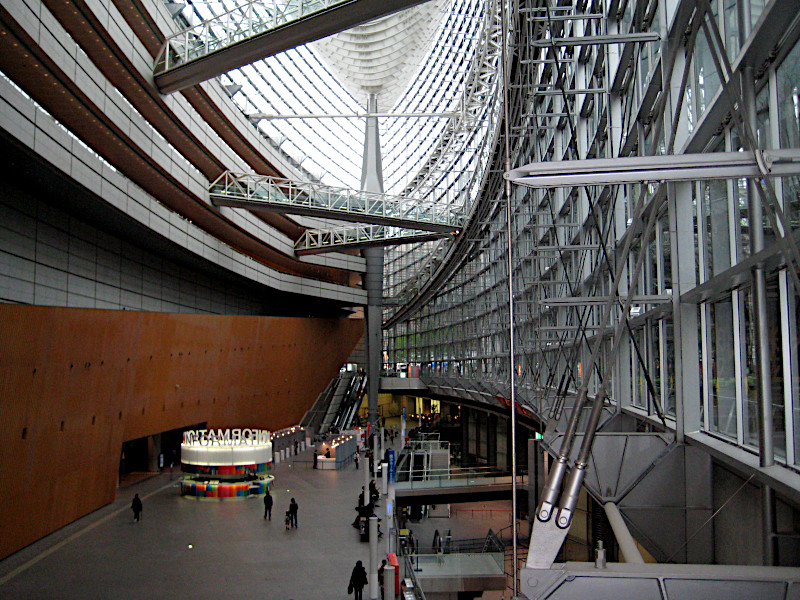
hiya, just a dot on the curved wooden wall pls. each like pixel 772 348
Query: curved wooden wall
pixel 76 383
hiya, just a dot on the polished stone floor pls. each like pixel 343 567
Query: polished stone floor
pixel 186 548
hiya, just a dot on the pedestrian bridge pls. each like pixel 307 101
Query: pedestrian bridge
pixel 464 484
pixel 261 192
pixel 255 30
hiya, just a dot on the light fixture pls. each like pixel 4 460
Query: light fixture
pixel 670 167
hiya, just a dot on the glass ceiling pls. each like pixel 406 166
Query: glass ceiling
pixel 329 149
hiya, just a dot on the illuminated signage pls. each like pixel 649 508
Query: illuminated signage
pixel 226 437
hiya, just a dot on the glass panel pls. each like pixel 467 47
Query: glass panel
pixel 654 361
pixel 706 78
pixel 795 349
pixel 750 424
pixel 669 403
pixel 639 385
pixel 756 8
pixel 788 79
pixel 722 393
pixel 666 253
pixel 731 28
pixel 776 365
pixel 717 237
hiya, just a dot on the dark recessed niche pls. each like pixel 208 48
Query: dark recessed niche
pixel 34 370
pixel 181 404
pixel 120 415
pixel 143 410
pixel 62 426
pixel 102 362
pixel 93 419
pixel 70 365
pixel 24 433
pixel 151 357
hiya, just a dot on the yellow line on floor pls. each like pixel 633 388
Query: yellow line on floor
pixel 45 553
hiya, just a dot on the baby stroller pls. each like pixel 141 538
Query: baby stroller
pixel 288 520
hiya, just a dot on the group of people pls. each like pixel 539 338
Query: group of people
pixel 358 579
pixel 291 514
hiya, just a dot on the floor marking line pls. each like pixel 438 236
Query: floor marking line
pixel 45 553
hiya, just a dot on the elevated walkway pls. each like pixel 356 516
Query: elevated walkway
pixel 455 484
pixel 256 30
pixel 260 192
pixel 357 236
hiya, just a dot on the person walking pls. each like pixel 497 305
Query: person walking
pixel 355 460
pixel 136 507
pixel 268 505
pixel 293 513
pixel 380 576
pixel 358 579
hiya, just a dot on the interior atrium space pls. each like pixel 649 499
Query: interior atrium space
pixel 531 265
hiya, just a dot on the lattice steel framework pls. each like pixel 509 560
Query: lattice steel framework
pixel 623 287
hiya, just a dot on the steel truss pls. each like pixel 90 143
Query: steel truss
pixel 351 237
pixel 594 237
pixel 255 30
pixel 247 190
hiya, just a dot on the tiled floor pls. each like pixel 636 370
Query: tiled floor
pixel 201 548
pixel 186 548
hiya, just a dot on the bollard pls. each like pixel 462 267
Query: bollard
pixel 374 592
pixel 388 582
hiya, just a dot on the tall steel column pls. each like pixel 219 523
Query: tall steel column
pixel 372 181
pixel 765 428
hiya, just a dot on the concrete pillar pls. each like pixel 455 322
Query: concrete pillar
pixel 153 450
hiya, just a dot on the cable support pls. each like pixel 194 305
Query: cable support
pixel 552 491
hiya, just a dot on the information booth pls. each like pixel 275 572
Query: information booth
pixel 230 463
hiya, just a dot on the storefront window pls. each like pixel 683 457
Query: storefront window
pixel 722 375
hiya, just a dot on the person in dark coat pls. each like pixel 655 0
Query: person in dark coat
pixel 293 513
pixel 268 505
pixel 358 579
pixel 380 576
pixel 355 460
pixel 136 507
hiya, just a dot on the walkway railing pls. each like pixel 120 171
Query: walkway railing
pixel 248 190
pixel 238 24
pixel 409 479
pixel 255 30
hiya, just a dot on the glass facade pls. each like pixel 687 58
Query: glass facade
pixel 647 286
pixel 575 102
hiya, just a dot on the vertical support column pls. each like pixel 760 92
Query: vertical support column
pixel 756 220
pixel 153 452
pixel 766 453
pixel 685 325
pixel 372 181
